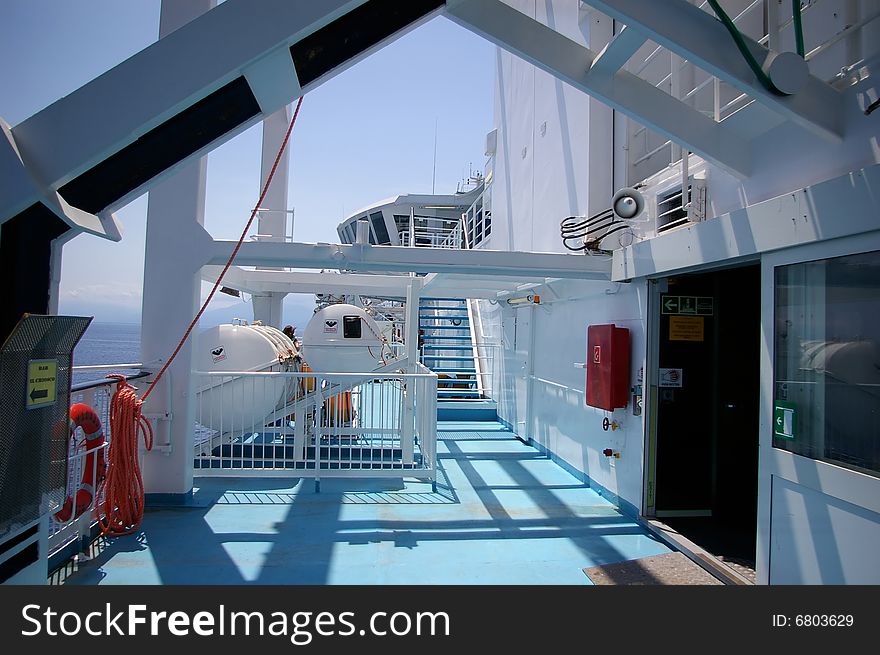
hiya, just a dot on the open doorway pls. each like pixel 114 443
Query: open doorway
pixel 706 454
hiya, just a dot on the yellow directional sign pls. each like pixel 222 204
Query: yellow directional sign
pixel 42 383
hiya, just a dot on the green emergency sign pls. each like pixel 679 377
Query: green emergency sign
pixel 784 419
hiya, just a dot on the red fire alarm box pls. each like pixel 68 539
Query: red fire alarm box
pixel 607 366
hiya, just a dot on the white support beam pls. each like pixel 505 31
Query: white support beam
pixel 623 91
pixel 617 52
pixel 258 282
pixel 474 286
pixel 703 40
pixel 386 259
pixel 434 284
pixel 273 80
pixel 237 37
pixel 20 190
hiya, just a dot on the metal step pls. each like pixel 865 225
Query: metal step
pixel 285 451
pixel 455 371
pixel 449 347
pixel 445 317
pixel 448 327
pixel 445 337
pixel 232 463
pixel 449 358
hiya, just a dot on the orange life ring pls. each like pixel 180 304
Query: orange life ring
pixel 83 416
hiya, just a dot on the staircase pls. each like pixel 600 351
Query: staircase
pixel 448 350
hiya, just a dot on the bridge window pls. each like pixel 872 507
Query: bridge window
pixel 379 228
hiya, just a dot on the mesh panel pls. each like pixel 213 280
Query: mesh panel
pixel 33 442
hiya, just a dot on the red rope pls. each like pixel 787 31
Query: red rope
pixel 122 508
pixel 122 491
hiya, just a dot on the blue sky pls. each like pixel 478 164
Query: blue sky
pixel 363 136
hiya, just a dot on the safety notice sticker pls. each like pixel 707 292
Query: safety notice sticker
pixel 670 377
pixel 686 328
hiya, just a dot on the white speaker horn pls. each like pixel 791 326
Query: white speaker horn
pixel 627 203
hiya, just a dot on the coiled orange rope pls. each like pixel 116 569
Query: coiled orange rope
pixel 122 492
pixel 123 488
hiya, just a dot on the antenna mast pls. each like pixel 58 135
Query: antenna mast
pixel 434 172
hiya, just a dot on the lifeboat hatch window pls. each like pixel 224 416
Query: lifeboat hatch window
pixel 351 327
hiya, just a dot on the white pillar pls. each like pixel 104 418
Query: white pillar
pixel 413 293
pixel 411 338
pixel 175 214
pixel 55 269
pixel 272 220
pixel 268 308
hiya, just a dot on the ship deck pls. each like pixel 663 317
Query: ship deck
pixel 503 513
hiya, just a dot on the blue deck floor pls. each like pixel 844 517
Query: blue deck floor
pixel 503 514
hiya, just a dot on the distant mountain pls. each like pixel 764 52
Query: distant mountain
pixel 298 310
pixel 104 312
pixel 294 314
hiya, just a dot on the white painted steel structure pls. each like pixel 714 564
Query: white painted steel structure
pixel 583 108
pixel 805 190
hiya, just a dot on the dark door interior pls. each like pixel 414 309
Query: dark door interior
pixel 707 428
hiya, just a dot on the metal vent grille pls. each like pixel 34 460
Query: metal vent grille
pixel 670 212
pixel 33 442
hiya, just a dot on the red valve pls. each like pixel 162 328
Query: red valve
pixel 608 452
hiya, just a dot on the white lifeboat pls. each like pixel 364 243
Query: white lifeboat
pixel 235 402
pixel 342 338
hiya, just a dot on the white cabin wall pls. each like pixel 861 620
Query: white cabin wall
pixel 542 163
pixel 560 420
pixel 514 118
pixel 554 152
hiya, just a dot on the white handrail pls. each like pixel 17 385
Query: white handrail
pixel 106 367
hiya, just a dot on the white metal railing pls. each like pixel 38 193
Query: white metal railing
pixel 317 424
pixel 62 533
pixel 432 237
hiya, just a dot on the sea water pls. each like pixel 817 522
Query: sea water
pixel 106 343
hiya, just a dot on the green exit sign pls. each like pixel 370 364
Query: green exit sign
pixel 784 419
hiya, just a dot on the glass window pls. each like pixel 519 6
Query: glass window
pixel 827 369
pixel 380 228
